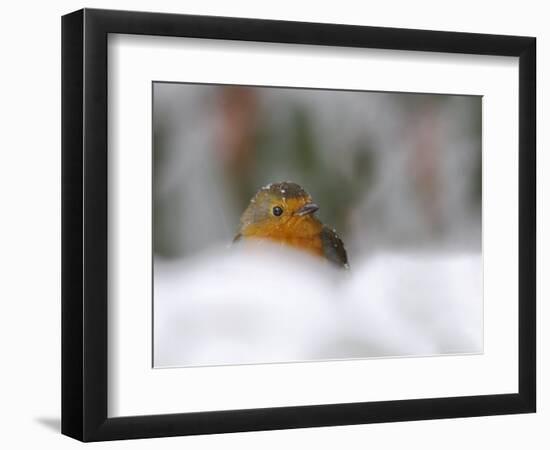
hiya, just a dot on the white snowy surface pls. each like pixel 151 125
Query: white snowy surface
pixel 242 306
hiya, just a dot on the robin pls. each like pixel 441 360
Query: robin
pixel 285 213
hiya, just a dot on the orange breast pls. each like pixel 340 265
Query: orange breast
pixel 311 244
pixel 303 234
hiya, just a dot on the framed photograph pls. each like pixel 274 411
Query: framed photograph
pixel 272 224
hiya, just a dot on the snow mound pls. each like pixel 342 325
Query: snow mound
pixel 244 306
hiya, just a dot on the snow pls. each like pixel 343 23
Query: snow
pixel 243 306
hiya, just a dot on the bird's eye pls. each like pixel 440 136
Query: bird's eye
pixel 277 211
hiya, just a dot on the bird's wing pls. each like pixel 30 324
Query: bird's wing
pixel 237 238
pixel 333 247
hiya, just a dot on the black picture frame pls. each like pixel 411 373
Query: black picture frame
pixel 84 224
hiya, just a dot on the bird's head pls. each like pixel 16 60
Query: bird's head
pixel 278 208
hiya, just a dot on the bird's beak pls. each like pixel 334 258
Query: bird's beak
pixel 308 208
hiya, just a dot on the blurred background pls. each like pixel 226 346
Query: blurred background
pixel 388 169
pixel 399 177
